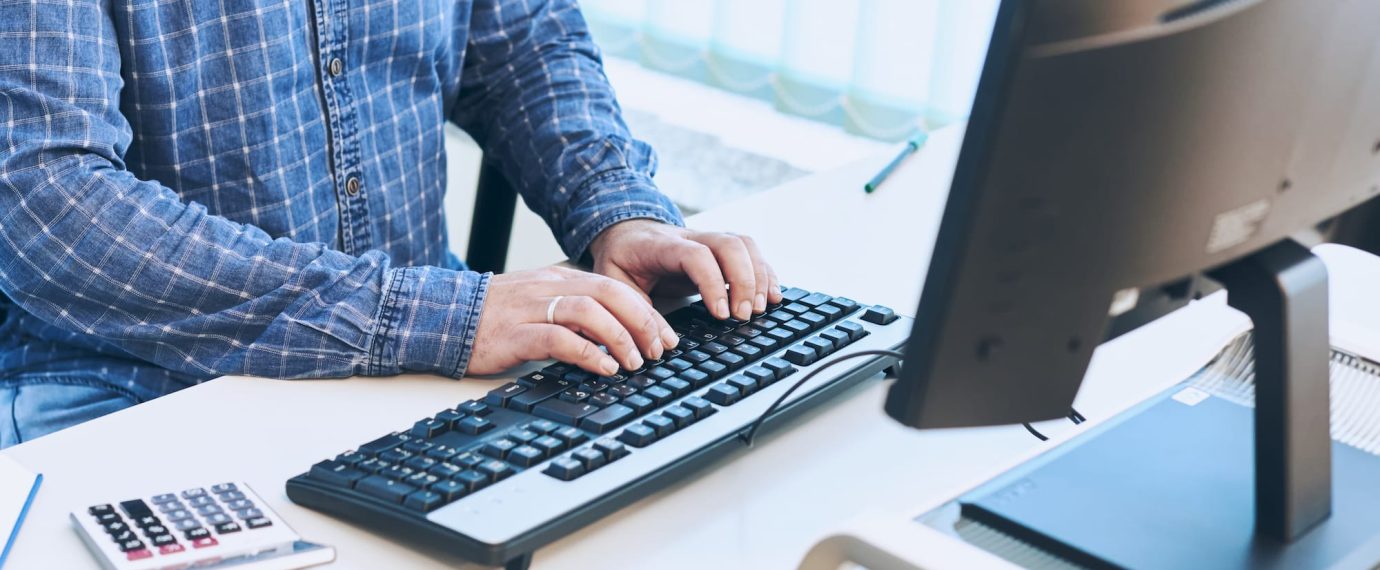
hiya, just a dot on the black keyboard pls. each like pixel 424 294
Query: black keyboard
pixel 555 450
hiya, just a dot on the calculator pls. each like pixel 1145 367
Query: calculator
pixel 215 526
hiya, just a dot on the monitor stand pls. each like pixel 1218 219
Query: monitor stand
pixel 1208 483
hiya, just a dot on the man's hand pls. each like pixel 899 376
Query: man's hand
pixel 652 255
pixel 593 310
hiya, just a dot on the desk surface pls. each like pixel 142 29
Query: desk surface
pixel 762 509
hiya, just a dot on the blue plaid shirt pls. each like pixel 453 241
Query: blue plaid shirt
pixel 191 188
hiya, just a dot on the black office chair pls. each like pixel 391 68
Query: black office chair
pixel 491 230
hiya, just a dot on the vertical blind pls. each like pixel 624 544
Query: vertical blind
pixel 878 68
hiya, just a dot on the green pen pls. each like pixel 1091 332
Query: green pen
pixel 912 145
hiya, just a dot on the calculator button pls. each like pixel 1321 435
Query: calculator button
pixel 193 493
pixel 147 521
pixel 258 522
pixel 248 514
pixel 115 527
pixel 138 554
pixel 169 507
pixel 124 536
pixel 164 498
pixel 155 530
pixel 187 524
pixel 131 544
pixel 179 515
pixel 196 533
pixel 230 496
pixel 227 528
pixel 208 510
pixel 224 488
pixel 100 510
pixel 163 540
pixel 217 518
pixel 136 508
pixel 201 501
pixel 108 518
pixel 204 542
pixel 173 548
pixel 240 504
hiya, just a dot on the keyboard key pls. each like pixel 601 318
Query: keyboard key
pixel 474 425
pixel 495 470
pixel 766 342
pixel 679 414
pixel 472 480
pixel 779 367
pixel 677 386
pixel 429 428
pixel 696 377
pixel 611 417
pixel 815 299
pixel 258 522
pixel 421 479
pixel 384 488
pixel 451 417
pixel 781 334
pixel 577 376
pixel 445 470
pixel 590 458
pixel 419 463
pixel 227 528
pixel 642 382
pixel 417 446
pixel 731 340
pixel 397 455
pixel 498 448
pixel 798 328
pixel 844 303
pixel 639 403
pixel 603 399
pixel 450 490
pixel 793 294
pixel 525 456
pixel 542 427
pixel 821 346
pixel 537 394
pixel 503 394
pixel 570 436
pixel 714 369
pixel 658 395
pixel 663 425
pixel 801 355
pixel 829 312
pixel 661 373
pixel 723 394
pixel 548 445
pixel 561 411
pixel 638 435
pixel 442 452
pixel 747 332
pixel 696 356
pixel 423 501
pixel 398 472
pixel 575 395
pixel 623 390
pixel 854 330
pixel 745 385
pixel 565 469
pixel 375 447
pixel 699 406
pixel 534 379
pixel 730 359
pixel 748 351
pixel 474 408
pixel 815 320
pixel 839 338
pixel 795 308
pixel 761 374
pixel 611 448
pixel 879 315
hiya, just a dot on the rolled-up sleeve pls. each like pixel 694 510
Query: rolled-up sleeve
pixel 535 97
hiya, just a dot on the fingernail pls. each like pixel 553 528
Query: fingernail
pixel 669 339
pixel 745 310
pixel 759 303
pixel 722 309
pixel 610 367
pixel 658 349
pixel 635 359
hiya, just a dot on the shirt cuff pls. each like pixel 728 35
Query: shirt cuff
pixel 609 198
pixel 427 321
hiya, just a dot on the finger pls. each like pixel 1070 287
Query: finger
pixel 736 264
pixel 590 318
pixel 650 331
pixel 761 271
pixel 698 263
pixel 542 341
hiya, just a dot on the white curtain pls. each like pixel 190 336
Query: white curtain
pixel 879 68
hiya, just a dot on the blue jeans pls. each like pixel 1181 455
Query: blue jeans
pixel 40 405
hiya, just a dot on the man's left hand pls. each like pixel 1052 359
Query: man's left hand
pixel 655 256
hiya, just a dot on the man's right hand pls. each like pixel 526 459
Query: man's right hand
pixel 594 310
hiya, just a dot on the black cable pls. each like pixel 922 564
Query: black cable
pixel 750 434
pixel 1035 433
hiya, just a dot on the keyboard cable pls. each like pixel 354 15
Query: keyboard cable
pixel 750 434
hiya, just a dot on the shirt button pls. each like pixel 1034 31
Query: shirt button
pixel 337 67
pixel 352 186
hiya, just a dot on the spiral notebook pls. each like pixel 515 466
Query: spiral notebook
pixel 18 485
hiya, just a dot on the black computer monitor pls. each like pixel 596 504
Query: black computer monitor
pixel 1121 157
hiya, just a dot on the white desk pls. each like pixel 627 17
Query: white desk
pixel 762 509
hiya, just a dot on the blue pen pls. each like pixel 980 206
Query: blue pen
pixel 912 145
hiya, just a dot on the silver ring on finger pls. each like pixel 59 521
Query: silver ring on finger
pixel 551 309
